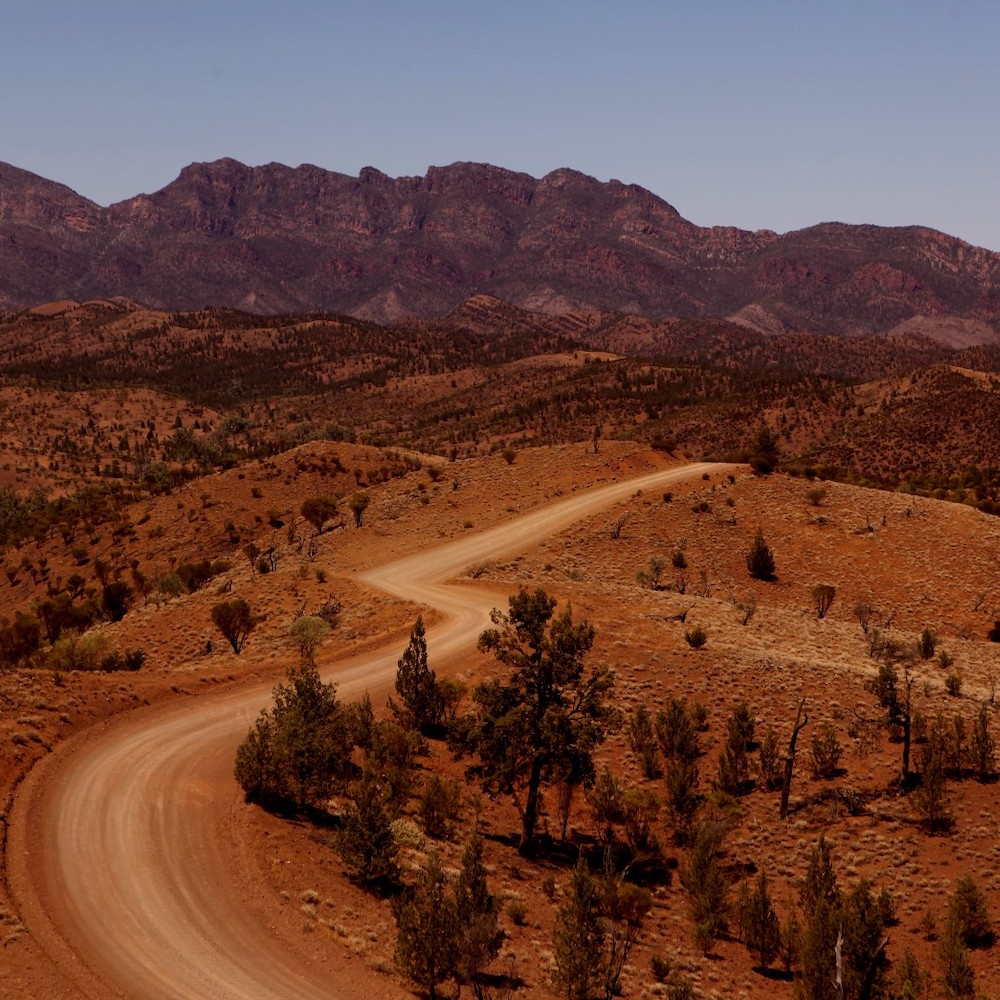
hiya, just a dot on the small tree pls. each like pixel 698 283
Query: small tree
pixel 318 510
pixel 760 559
pixel 578 938
pixel 642 741
pixel 931 798
pixel 422 706
pixel 480 936
pixel 764 452
pixel 823 595
pixel 969 911
pixel 983 748
pixel 763 930
pixel 427 944
pixel 366 842
pixel 769 760
pixel 826 752
pixel 957 976
pixel 682 797
pixel 308 632
pixel 440 800
pixel 706 886
pixel 298 751
pixel 235 621
pixel 548 711
pixel 359 504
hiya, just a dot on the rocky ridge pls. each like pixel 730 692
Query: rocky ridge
pixel 274 239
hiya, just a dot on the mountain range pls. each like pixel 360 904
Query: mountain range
pixel 275 239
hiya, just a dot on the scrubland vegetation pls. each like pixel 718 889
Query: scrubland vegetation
pixel 738 739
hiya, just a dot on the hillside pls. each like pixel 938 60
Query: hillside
pixel 275 239
pixel 919 563
pixel 167 397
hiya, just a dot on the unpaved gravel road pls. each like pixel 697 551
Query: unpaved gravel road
pixel 122 856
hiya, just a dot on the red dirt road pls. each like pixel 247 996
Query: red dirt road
pixel 122 855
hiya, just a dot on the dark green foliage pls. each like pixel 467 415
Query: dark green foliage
pixel 116 599
pixel 422 706
pixel 358 504
pixel 624 907
pixel 390 761
pixel 826 751
pixel 677 731
pixel 131 660
pixel 760 559
pixel 639 809
pixel 579 938
pixel 733 774
pixel 762 931
pixel 318 510
pixel 859 918
pixel 366 842
pixel 480 936
pixel 548 714
pixel 427 942
pixel 439 804
pixel 927 644
pixel 696 637
pixel 235 621
pixel 820 882
pixel 20 638
pixel 298 752
pixel 983 749
pixel 605 798
pixel 642 740
pixel 931 798
pixel 770 760
pixel 682 797
pixel 970 914
pixel 194 575
pixel 764 452
pixel 957 978
pixel 705 884
pixel 910 981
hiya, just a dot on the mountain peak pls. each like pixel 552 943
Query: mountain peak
pixel 283 238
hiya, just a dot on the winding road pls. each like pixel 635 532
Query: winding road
pixel 122 857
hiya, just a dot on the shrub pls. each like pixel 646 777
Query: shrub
pixel 953 685
pixel 826 752
pixel 760 559
pixel 439 805
pixel 696 637
pixel 927 644
pixel 816 495
pixel 969 910
pixel 823 595
pixel 358 504
pixel 427 945
pixel 318 510
pixel 307 633
pixel 517 910
pixel 235 621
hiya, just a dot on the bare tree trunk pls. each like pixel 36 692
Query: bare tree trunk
pixel 786 787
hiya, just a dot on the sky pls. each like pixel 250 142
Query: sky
pixel 761 114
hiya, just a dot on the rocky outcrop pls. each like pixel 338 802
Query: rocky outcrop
pixel 279 239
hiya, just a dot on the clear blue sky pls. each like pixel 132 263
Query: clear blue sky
pixel 754 113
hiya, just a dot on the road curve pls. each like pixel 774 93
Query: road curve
pixel 120 854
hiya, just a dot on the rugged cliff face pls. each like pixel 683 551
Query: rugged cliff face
pixel 276 238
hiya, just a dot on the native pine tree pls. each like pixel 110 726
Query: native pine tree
pixel 547 710
pixel 422 706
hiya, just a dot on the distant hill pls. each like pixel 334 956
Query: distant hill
pixel 278 239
